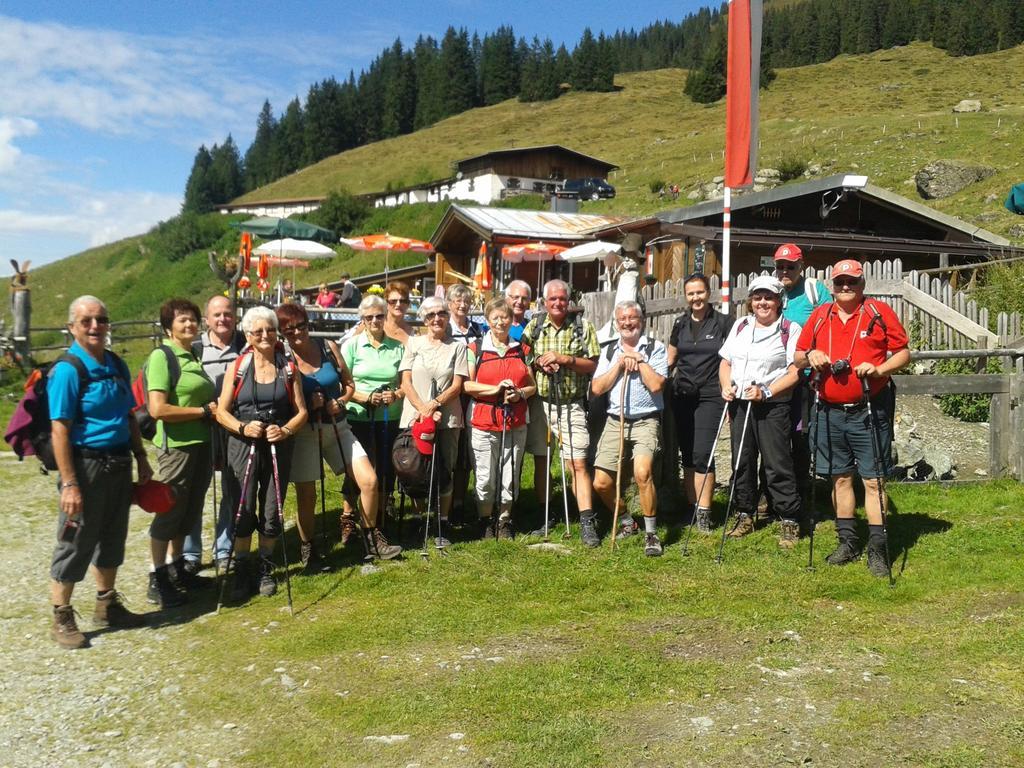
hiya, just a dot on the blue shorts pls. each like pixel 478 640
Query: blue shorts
pixel 845 443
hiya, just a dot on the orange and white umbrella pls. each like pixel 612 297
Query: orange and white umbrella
pixel 482 278
pixel 539 251
pixel 387 242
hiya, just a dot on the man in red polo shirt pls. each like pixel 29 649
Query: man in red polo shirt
pixel 847 341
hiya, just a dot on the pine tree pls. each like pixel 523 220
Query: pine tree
pixel 259 158
pixel 224 175
pixel 707 84
pixel 585 62
pixel 399 94
pixel 604 72
pixel 897 24
pixel 289 141
pixel 563 65
pixel 499 67
pixel 457 73
pixel 197 192
pixel 429 84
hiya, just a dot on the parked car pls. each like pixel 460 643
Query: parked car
pixel 590 188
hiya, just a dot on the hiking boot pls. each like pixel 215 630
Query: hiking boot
pixel 163 591
pixel 744 525
pixel 312 561
pixel 847 551
pixel 588 530
pixel 629 527
pixel 185 574
pixel 702 520
pixel 110 612
pixel 487 527
pixel 268 585
pixel 65 629
pixel 505 530
pixel 348 528
pixel 380 548
pixel 878 559
pixel 790 534
pixel 241 589
pixel 652 545
pixel 540 531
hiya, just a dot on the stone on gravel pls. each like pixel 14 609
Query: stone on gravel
pixel 396 738
pixel 943 178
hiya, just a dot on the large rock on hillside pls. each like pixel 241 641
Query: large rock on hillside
pixel 944 178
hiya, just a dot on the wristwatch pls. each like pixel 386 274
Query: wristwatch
pixel 766 392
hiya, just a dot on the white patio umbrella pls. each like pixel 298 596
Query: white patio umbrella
pixel 596 250
pixel 296 249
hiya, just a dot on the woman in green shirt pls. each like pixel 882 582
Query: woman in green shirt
pixel 184 404
pixel 375 408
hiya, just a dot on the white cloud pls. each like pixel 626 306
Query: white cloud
pixel 10 129
pixel 93 217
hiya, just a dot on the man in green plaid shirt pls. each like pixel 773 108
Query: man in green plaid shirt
pixel 564 354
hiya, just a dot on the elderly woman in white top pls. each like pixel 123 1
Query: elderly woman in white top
pixel 757 376
pixel 433 370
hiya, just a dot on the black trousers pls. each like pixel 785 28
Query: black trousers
pixel 767 437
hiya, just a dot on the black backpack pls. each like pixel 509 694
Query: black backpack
pixel 412 468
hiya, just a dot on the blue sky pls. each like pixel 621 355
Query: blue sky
pixel 103 104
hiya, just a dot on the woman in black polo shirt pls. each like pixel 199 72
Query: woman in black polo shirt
pixel 696 395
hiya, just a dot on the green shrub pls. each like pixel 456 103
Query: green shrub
pixel 656 185
pixel 792 167
pixel 176 238
pixel 340 212
pixel 966 407
pixel 999 288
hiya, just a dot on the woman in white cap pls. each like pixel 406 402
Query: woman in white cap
pixel 757 367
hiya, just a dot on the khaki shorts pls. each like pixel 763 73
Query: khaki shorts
pixel 643 436
pixel 570 429
pixel 537 428
pixel 306 456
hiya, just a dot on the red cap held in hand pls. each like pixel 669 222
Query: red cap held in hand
pixel 154 497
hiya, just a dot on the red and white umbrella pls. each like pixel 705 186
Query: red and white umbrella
pixel 539 251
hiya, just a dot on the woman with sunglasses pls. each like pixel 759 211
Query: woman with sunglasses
pixel 375 406
pixel 433 370
pixel 757 367
pixel 327 386
pixel 697 336
pixel 395 325
pixel 501 386
pixel 260 406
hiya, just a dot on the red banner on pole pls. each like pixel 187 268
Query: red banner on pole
pixel 741 94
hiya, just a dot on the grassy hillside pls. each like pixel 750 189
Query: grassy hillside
pixel 885 114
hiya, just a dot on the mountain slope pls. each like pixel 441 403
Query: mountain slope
pixel 885 114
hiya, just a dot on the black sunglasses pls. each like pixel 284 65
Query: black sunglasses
pixel 296 327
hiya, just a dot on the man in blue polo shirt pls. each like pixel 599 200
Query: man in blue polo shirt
pixel 94 439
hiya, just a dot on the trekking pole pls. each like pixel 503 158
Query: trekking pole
pixel 812 510
pixel 547 476
pixel 493 523
pixel 280 521
pixel 732 482
pixel 707 471
pixel 876 447
pixel 348 475
pixel 323 494
pixel 618 468
pixel 216 517
pixel 238 516
pixel 430 485
pixel 561 456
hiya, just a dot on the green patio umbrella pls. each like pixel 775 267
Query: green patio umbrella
pixel 272 226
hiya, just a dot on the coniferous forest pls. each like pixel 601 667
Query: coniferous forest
pixel 408 88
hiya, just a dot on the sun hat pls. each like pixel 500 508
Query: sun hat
pixel 848 267
pixel 154 497
pixel 766 283
pixel 788 252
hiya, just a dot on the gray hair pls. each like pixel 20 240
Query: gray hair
pixel 518 284
pixel 254 314
pixel 431 304
pixel 372 302
pixel 629 304
pixel 555 283
pixel 458 291
pixel 86 299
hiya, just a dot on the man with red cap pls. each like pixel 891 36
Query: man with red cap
pixel 847 342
